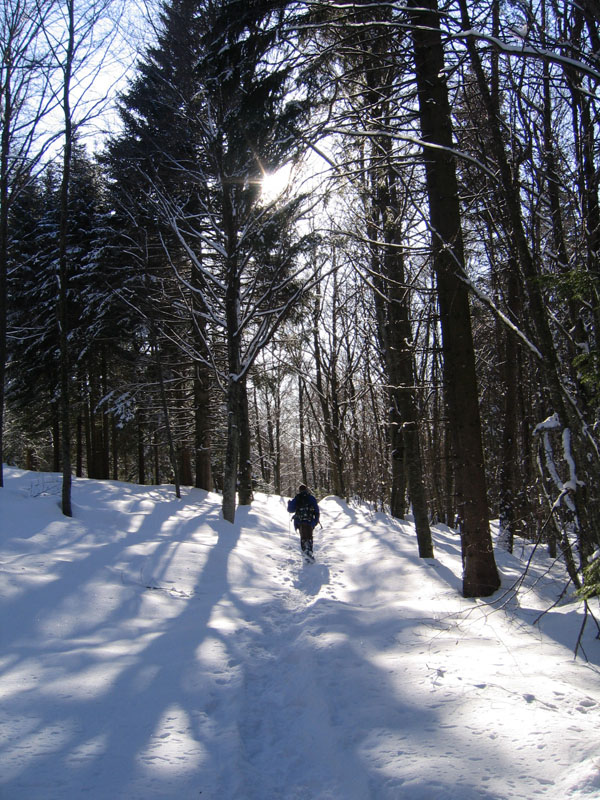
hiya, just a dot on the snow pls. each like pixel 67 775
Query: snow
pixel 552 423
pixel 152 650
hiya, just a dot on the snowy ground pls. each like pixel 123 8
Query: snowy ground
pixel 150 650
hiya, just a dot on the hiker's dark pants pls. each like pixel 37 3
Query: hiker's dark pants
pixel 306 536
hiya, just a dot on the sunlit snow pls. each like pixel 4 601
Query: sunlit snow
pixel 151 650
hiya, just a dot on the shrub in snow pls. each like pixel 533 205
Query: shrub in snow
pixel 591 574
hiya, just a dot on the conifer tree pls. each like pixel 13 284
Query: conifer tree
pixel 204 120
pixel 34 337
pixel 156 156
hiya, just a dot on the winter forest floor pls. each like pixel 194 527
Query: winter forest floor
pixel 150 650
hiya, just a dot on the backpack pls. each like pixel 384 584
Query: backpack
pixel 305 510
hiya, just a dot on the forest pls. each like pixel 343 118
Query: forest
pixel 250 243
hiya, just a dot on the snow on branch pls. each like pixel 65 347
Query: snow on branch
pixel 529 51
pixel 565 488
pixel 552 423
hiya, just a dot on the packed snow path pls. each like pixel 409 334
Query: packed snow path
pixel 151 650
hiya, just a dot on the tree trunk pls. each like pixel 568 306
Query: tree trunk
pixel 303 469
pixel 114 437
pixel 480 575
pixel 79 444
pixel 397 337
pixel 510 483
pixel 141 456
pixel 4 167
pixel 258 438
pixel 55 437
pixel 156 448
pixel 105 419
pixel 230 475
pixel 202 402
pixel 329 405
pixel 245 460
pixel 63 272
pixel 167 418
pixel 235 386
pixel 185 466
pixel 277 462
pixel 202 431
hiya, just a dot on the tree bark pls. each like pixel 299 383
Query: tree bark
pixel 234 361
pixel 166 417
pixel 202 429
pixel 303 469
pixel 63 270
pixel 141 455
pixel 510 483
pixel 396 336
pixel 4 166
pixel 480 575
pixel 202 401
pixel 245 465
pixel 230 475
pixel 329 405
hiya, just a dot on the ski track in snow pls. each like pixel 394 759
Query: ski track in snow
pixel 150 650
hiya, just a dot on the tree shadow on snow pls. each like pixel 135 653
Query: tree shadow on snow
pixel 148 686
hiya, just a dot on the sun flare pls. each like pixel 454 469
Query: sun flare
pixel 274 184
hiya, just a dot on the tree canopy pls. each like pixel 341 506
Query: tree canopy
pixel 412 320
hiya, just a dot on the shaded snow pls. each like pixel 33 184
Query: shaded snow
pixel 151 650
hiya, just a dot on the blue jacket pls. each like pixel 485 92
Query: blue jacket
pixel 292 504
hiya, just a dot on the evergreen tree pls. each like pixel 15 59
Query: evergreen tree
pixel 32 358
pixel 34 338
pixel 198 191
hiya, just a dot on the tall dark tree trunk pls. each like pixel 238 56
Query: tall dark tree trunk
pixel 395 332
pixel 274 435
pixel 63 269
pixel 4 164
pixel 401 373
pixel 141 453
pixel 235 388
pixel 395 335
pixel 202 428
pixel 258 436
pixel 79 444
pixel 105 419
pixel 114 437
pixel 245 465
pixel 55 437
pixel 480 575
pixel 185 466
pixel 202 399
pixel 166 416
pixel 385 329
pixel 303 469
pixel 232 453
pixel 329 405
pixel 156 453
pixel 510 478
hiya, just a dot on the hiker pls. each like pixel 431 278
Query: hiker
pixel 306 515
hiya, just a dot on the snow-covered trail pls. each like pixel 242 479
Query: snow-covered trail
pixel 399 664
pixel 150 650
